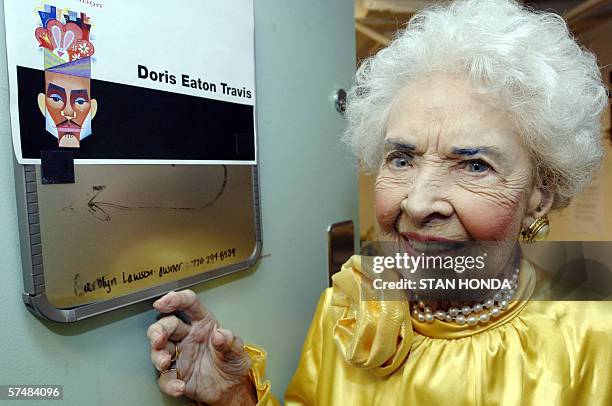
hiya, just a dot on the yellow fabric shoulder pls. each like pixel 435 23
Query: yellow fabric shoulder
pixel 362 352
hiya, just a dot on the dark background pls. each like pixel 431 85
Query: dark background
pixel 137 123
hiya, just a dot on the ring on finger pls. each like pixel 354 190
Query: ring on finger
pixel 177 353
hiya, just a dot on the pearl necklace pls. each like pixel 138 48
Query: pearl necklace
pixel 472 315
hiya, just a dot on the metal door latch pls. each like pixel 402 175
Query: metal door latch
pixel 340 101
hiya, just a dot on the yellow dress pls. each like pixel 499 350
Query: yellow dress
pixel 372 353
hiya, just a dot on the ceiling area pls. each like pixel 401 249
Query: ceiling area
pixel 377 20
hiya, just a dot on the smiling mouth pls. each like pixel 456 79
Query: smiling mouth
pixel 432 245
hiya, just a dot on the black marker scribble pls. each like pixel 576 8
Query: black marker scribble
pixel 96 207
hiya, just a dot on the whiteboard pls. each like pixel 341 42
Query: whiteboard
pixel 125 233
pixel 158 104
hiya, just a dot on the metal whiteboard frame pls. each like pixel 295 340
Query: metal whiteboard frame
pixel 34 295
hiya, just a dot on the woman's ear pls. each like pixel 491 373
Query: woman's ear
pixel 539 204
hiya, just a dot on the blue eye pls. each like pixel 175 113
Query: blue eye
pixel 80 101
pixel 56 97
pixel 399 160
pixel 477 166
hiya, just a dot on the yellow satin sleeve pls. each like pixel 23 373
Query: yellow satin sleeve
pixel 257 375
pixel 371 353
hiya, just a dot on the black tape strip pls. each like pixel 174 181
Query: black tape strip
pixel 57 167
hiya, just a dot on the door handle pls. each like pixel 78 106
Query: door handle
pixel 340 245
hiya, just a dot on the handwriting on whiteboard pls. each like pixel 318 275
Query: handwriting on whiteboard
pixel 106 283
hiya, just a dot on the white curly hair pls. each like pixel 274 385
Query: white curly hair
pixel 548 82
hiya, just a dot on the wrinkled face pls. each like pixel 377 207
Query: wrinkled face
pixel 67 101
pixel 454 167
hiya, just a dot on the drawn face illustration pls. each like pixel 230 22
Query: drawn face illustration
pixel 66 103
pixel 68 106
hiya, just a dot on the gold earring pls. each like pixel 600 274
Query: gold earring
pixel 537 231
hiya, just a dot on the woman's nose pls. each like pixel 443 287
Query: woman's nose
pixel 427 198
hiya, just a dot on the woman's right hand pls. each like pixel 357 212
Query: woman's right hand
pixel 212 366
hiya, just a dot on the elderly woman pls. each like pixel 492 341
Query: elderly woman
pixel 479 118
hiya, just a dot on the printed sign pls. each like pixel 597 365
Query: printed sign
pixel 137 82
